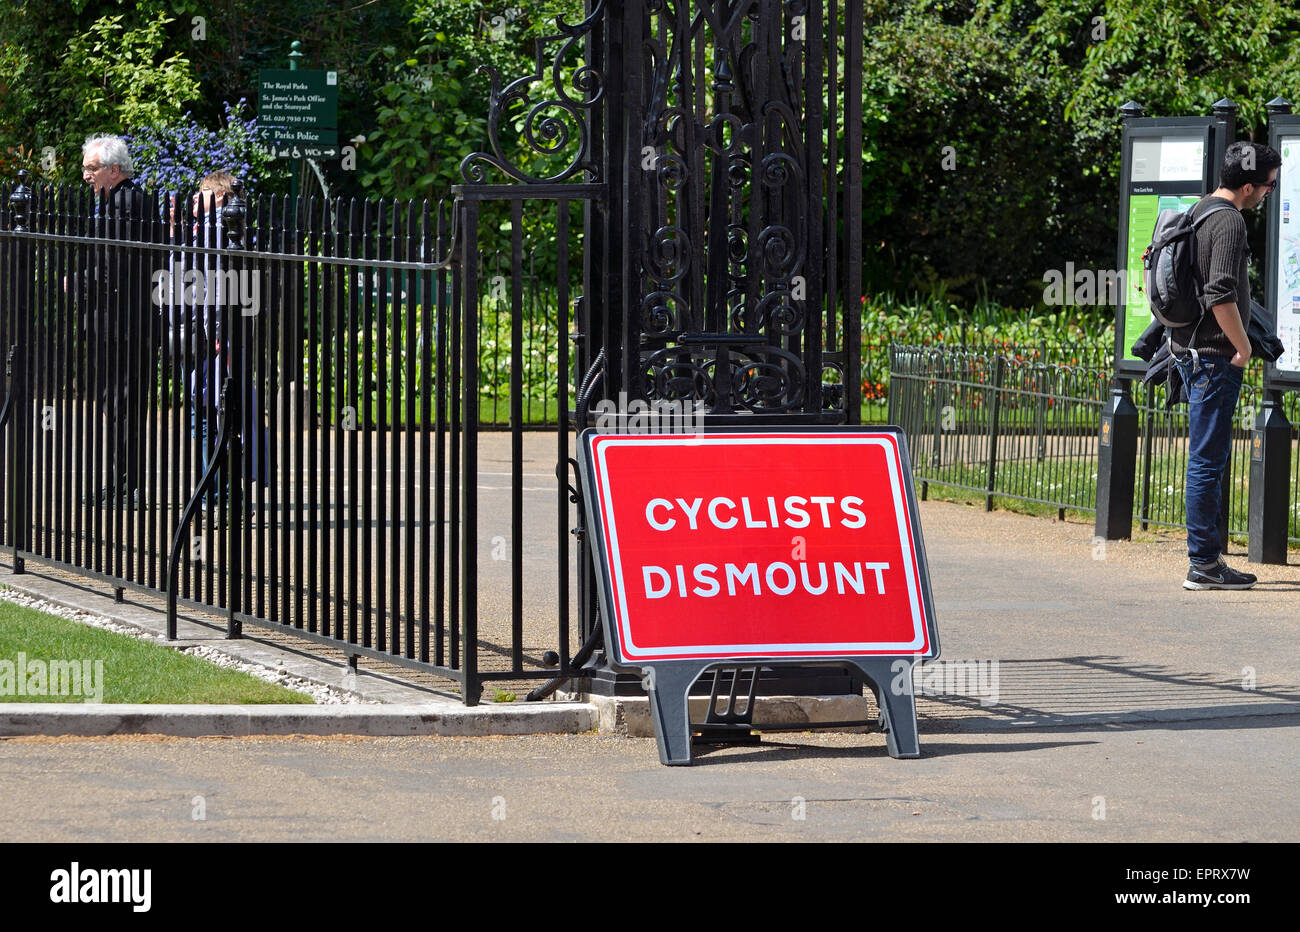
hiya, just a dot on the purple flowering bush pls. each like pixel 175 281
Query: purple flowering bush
pixel 175 157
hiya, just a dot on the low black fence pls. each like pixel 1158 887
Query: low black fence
pixel 1023 424
pixel 273 410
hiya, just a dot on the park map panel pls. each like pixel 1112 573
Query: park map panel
pixel 1156 161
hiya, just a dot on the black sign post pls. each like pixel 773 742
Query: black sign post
pixel 1270 444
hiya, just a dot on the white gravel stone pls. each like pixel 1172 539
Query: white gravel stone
pixel 319 693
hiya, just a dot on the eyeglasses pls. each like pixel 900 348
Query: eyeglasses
pixel 1271 186
pixel 91 168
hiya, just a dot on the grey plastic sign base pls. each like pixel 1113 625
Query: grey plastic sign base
pixel 668 687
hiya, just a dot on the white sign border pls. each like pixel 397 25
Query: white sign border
pixel 632 653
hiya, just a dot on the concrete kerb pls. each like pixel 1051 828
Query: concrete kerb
pixel 194 721
pixel 396 708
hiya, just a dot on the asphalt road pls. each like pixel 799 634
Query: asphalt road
pixel 1220 781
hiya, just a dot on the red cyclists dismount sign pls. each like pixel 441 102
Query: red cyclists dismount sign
pixel 781 545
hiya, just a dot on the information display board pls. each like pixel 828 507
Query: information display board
pixel 299 110
pixel 1166 165
pixel 1283 270
pixel 758 546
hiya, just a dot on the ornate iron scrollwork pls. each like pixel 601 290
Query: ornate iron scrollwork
pixel 551 127
pixel 674 374
pixel 768 381
pixel 662 313
pixel 777 310
pixel 730 175
pixel 759 378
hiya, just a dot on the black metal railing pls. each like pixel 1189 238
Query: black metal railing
pixel 1023 425
pixel 272 410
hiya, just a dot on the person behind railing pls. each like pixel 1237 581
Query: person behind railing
pixel 210 294
pixel 115 299
pixel 205 319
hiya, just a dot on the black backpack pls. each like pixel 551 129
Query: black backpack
pixel 1171 279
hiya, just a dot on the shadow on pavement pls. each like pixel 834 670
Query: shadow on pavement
pixel 780 750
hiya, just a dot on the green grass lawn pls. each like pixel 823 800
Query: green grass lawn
pixel 875 412
pixel 495 409
pixel 119 668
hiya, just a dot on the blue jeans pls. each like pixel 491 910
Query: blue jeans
pixel 199 430
pixel 1212 391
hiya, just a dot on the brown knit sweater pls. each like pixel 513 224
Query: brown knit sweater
pixel 1222 256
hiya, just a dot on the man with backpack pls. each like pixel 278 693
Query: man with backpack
pixel 1211 353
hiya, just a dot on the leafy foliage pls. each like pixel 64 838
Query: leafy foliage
pixel 972 183
pixel 413 152
pixel 1027 95
pixel 1074 335
pixel 433 108
pixel 68 70
pixel 118 74
pixel 1172 58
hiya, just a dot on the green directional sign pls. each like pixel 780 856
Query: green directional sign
pixel 298 108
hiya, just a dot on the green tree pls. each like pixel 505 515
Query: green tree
pixel 67 70
pixel 433 109
pixel 971 183
pixel 121 75
pixel 1173 58
pixel 1023 98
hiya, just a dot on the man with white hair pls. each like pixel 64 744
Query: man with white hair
pixel 115 292
pixel 106 166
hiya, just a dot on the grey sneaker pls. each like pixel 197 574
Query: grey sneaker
pixel 1217 575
